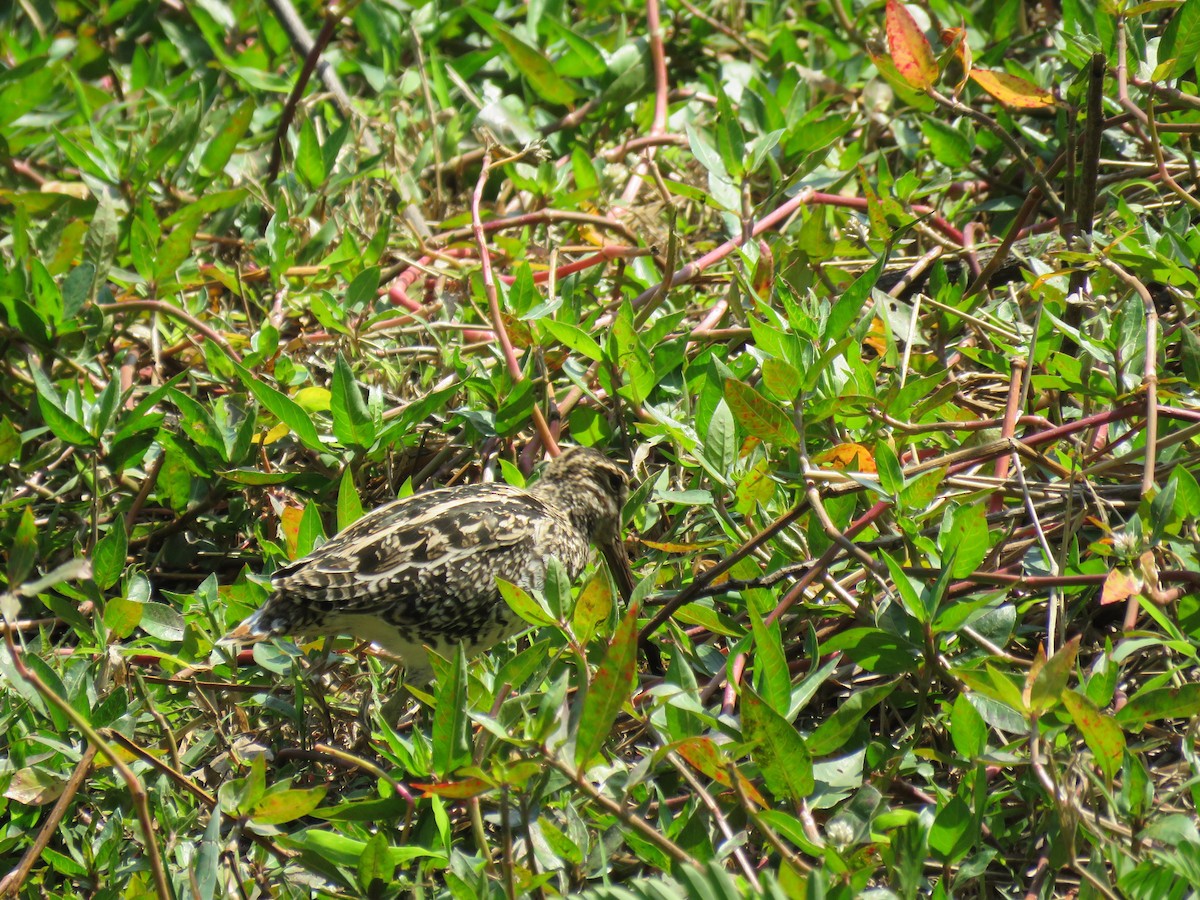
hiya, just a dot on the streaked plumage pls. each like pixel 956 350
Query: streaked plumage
pixel 422 570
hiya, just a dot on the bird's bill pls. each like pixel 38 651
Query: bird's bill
pixel 618 565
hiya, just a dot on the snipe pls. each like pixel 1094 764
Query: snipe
pixel 422 571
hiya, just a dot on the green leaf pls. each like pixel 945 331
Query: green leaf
pixel 1050 680
pixel 761 417
pixel 280 405
pixel 967 538
pixel 375 868
pixel 771 676
pixel 65 426
pixel 277 807
pixel 108 557
pixel 363 289
pixel 23 554
pixel 1181 702
pixel 852 303
pixel 161 621
pixel 953 831
pixel 1179 49
pixel 574 337
pixel 349 506
pixel 1101 732
pixel 832 734
pixel 916 599
pixel 530 61
pixel 779 750
pixel 632 359
pixel 310 164
pixel 222 145
pixel 523 604
pixel 891 476
pixel 608 691
pixel 968 731
pixel 353 425
pixel 451 721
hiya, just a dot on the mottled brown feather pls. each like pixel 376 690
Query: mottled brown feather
pixel 422 571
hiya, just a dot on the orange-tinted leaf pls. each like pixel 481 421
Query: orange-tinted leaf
pixel 847 457
pixel 672 547
pixel 761 417
pixel 959 52
pixel 289 521
pixel 909 49
pixel 1102 733
pixel 1012 89
pixel 1119 585
pixel 705 757
pixel 455 790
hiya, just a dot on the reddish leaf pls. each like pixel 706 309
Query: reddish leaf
pixel 703 755
pixel 1119 585
pixel 1012 90
pixel 909 49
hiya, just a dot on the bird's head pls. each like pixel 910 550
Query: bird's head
pixel 590 488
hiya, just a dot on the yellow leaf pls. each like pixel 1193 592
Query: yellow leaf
pixel 1012 90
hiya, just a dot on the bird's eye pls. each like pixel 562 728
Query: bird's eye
pixel 616 482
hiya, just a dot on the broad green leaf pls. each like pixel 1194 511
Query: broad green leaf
pixel 108 557
pixel 968 731
pixel 763 418
pixel 953 832
pixel 65 426
pixel 524 605
pixel 363 289
pixel 832 734
pixel 777 747
pixel 353 425
pixel 608 691
pixel 1181 702
pixel 23 553
pixel 531 62
pixel 1048 681
pixel 286 806
pixel 573 337
pixel 1101 732
pixel 771 677
pixel 310 163
pixel 349 505
pixel 230 133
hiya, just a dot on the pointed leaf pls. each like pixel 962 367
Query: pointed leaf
pixel 608 691
pixel 761 417
pixel 1102 733
pixel 909 48
pixel 451 720
pixel 777 747
pixel 1012 90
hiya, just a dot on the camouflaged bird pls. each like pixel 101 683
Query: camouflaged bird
pixel 422 571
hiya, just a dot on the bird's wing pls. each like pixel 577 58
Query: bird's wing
pixel 440 543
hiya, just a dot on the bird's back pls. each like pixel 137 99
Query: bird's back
pixel 426 566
